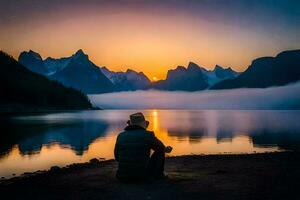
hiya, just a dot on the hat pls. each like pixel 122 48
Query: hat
pixel 137 119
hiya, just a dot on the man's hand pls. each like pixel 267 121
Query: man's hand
pixel 168 149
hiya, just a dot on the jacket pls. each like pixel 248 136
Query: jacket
pixel 132 151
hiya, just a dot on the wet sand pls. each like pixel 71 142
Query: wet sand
pixel 256 176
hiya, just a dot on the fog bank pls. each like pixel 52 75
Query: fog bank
pixel 285 97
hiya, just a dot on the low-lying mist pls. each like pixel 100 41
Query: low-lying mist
pixel 284 97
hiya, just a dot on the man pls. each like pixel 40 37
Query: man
pixel 132 151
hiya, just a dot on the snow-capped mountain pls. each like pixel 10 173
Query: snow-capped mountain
pixel 79 72
pixel 218 74
pixel 83 74
pixel 76 71
pixel 54 65
pixel 129 80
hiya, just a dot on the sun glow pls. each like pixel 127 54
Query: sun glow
pixel 150 37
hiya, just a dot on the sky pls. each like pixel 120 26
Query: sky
pixel 152 35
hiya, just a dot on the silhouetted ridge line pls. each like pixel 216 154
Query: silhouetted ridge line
pixel 266 72
pixel 127 81
pixel 79 72
pixel 193 78
pixel 24 90
pixel 76 71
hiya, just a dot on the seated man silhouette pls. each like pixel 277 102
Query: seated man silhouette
pixel 133 148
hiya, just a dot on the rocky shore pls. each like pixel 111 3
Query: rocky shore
pixel 252 176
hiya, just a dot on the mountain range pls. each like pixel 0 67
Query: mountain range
pixel 76 71
pixel 193 78
pixel 266 72
pixel 129 80
pixel 23 90
pixel 79 72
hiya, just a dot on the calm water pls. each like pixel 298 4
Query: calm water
pixel 32 143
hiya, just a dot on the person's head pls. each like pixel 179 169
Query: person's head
pixel 138 119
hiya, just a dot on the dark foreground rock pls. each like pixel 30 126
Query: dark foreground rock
pixel 259 176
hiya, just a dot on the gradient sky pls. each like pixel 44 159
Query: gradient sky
pixel 152 35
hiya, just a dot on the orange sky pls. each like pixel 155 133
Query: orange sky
pixel 151 40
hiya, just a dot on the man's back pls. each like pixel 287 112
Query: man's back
pixel 132 151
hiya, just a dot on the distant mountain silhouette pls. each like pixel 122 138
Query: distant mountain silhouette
pixel 267 71
pixel 129 80
pixel 193 78
pixel 22 89
pixel 218 74
pixel 84 75
pixel 33 61
pixel 76 71
pixel 54 65
pixel 187 79
pixel 79 72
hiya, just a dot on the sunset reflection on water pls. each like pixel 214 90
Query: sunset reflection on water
pixel 78 137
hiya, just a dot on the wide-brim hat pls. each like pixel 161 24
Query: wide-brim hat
pixel 137 119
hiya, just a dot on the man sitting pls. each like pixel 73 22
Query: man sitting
pixel 132 151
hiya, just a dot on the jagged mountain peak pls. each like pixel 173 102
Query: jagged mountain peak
pixel 174 73
pixel 218 67
pixel 80 54
pixel 135 72
pixel 182 68
pixel 76 71
pixel 128 80
pixel 33 61
pixel 49 58
pixel 224 73
pixel 32 53
pixel 192 65
pixel 130 71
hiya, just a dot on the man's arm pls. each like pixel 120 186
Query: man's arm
pixel 156 144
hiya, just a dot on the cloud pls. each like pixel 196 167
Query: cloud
pixel 285 97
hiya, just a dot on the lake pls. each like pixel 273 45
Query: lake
pixel 37 142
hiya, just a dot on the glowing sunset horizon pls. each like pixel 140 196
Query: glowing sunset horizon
pixel 152 36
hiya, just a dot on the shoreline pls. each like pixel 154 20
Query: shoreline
pixel 92 161
pixel 210 176
pixel 14 113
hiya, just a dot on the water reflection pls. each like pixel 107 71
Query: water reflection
pixel 30 143
pixel 31 137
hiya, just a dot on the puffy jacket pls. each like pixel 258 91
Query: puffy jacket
pixel 132 151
